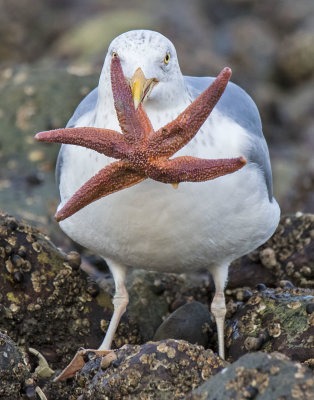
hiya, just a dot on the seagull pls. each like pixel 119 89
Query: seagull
pixel 190 224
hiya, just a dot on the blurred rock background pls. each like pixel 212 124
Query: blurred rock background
pixel 51 54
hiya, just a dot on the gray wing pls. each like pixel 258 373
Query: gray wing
pixel 236 104
pixel 86 106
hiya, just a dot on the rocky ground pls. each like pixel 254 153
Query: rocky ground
pixel 167 340
pixel 51 54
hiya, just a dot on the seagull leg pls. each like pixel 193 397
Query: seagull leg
pixel 120 302
pixel 218 306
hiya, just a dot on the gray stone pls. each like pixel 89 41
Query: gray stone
pixel 258 376
pixel 191 322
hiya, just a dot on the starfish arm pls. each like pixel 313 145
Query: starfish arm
pixel 173 136
pixel 192 169
pixel 124 104
pixel 104 141
pixel 147 126
pixel 114 177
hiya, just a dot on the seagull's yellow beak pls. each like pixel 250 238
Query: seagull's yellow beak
pixel 141 87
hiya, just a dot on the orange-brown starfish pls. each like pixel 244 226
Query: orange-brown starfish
pixel 142 152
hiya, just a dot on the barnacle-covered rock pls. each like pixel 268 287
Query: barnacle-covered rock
pixel 44 297
pixel 287 255
pixel 155 370
pixel 13 370
pixel 259 376
pixel 274 320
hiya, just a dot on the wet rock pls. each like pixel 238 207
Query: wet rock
pixel 191 322
pixel 260 287
pixel 274 320
pixel 310 308
pixel 287 255
pixel 13 370
pixel 259 376
pixel 49 307
pixel 155 370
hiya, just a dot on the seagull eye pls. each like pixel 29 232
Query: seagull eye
pixel 114 54
pixel 167 58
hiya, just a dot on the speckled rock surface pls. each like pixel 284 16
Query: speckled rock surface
pixel 45 299
pixel 14 371
pixel 259 376
pixel 287 255
pixel 274 320
pixel 155 370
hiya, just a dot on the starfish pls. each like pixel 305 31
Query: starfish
pixel 142 152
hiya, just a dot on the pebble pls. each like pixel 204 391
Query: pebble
pixel 286 284
pixel 261 287
pixel 310 308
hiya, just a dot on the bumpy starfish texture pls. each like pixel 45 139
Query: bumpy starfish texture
pixel 142 152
